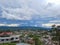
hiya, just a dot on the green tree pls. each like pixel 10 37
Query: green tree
pixel 37 41
pixel 57 34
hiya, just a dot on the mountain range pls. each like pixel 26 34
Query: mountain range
pixel 22 28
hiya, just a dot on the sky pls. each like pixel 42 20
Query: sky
pixel 38 13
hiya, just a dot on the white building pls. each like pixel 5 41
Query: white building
pixel 12 38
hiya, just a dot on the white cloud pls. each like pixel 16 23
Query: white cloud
pixel 28 9
pixel 54 21
pixel 46 8
pixel 10 25
pixel 49 24
pixel 2 24
pixel 18 13
pixel 13 25
pixel 54 1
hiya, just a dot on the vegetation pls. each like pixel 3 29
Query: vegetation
pixel 36 39
pixel 57 34
pixel 8 44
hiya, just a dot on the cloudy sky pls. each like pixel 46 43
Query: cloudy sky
pixel 29 12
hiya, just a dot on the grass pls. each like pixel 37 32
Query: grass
pixel 8 44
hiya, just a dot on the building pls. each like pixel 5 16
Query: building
pixel 6 38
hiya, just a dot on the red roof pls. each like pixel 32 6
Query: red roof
pixel 5 33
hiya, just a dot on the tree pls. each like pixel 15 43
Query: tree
pixel 57 34
pixel 37 41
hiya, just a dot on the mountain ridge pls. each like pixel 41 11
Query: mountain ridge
pixel 23 28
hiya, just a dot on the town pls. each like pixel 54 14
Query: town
pixel 29 22
pixel 32 37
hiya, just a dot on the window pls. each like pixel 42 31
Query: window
pixel 12 38
pixel 7 39
pixel 2 39
pixel 16 37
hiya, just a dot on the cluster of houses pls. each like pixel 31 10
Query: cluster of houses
pixel 23 36
pixel 7 37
